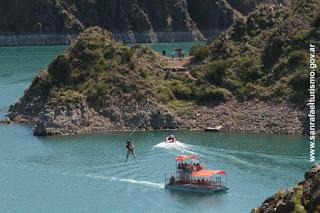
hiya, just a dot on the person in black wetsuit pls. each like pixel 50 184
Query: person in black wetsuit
pixel 130 150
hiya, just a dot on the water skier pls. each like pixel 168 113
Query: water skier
pixel 130 150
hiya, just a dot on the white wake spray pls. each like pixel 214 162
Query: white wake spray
pixel 140 182
pixel 179 146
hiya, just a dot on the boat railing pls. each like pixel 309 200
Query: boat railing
pixel 186 179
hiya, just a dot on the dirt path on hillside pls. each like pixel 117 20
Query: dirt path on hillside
pixel 180 66
pixel 178 63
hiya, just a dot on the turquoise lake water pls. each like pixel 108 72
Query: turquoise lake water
pixel 87 173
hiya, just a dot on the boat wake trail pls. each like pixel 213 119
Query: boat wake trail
pixel 140 182
pixel 92 176
pixel 179 146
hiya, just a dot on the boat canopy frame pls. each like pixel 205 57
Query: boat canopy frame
pixel 187 157
pixel 214 181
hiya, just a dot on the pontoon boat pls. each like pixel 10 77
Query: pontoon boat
pixel 191 175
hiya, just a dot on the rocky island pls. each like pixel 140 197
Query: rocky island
pixel 97 84
pixel 251 78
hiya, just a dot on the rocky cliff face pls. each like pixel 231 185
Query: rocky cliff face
pixel 38 16
pixel 129 20
pixel 211 17
pixel 304 197
pixel 62 118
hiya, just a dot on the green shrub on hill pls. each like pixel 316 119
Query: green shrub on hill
pixel 297 58
pixel 216 72
pixel 164 93
pixel 181 90
pixel 60 95
pixel 249 69
pixel 199 52
pixel 207 94
pixel 272 51
pixel 96 65
pixel 299 82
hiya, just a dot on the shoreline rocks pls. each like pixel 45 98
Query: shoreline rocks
pixel 66 39
pixel 234 116
pixel 249 116
pixel 36 39
pixel 55 120
pixel 304 197
pixel 74 118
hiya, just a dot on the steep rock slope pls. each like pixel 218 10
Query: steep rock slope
pixel 265 55
pixel 36 16
pixel 129 20
pixel 211 17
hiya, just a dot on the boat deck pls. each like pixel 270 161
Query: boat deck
pixel 192 188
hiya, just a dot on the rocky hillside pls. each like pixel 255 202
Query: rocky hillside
pixel 265 55
pixel 58 21
pixel 99 84
pixel 303 198
pixel 251 78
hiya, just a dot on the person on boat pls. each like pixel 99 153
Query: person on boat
pixel 187 167
pixel 172 180
pixel 202 182
pixel 198 167
pixel 170 139
pixel 180 166
pixel 130 150
pixel 173 54
pixel 184 167
pixel 199 182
